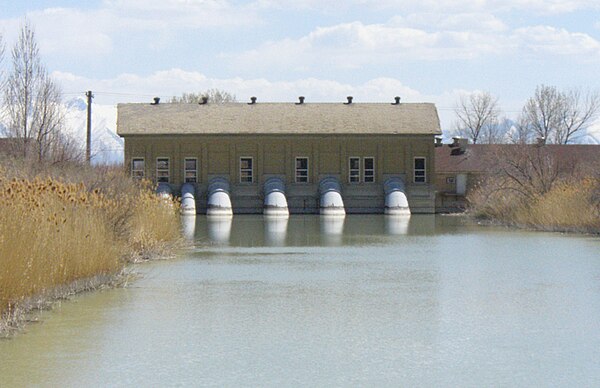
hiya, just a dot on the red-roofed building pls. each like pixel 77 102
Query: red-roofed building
pixel 459 166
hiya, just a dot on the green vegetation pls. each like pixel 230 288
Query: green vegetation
pixel 54 233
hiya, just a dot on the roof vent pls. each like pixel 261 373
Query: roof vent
pixel 438 139
pixel 156 101
pixel 349 100
pixel 301 99
pixel 253 101
pixel 203 100
pixel 397 101
pixel 540 141
pixel 460 143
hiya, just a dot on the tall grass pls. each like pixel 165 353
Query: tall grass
pixel 53 233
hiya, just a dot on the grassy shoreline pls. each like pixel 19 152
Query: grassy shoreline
pixel 58 238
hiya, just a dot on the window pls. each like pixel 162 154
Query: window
pixel 301 170
pixel 246 174
pixel 190 170
pixel 137 168
pixel 354 171
pixel 369 170
pixel 162 170
pixel 419 170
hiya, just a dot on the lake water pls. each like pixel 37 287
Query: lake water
pixel 367 301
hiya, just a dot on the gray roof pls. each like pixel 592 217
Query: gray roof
pixel 277 118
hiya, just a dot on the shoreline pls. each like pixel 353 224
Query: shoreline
pixel 15 321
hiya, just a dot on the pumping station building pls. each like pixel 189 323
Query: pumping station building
pixel 281 158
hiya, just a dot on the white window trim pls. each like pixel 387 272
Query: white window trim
pixel 424 169
pixel 307 169
pixel 350 169
pixel 143 170
pixel 168 168
pixel 251 169
pixel 185 159
pixel 364 169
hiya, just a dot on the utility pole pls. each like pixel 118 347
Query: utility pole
pixel 88 140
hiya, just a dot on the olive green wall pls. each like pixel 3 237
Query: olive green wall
pixel 275 156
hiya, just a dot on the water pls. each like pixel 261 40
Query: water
pixel 369 301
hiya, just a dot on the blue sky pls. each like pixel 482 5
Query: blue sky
pixel 426 50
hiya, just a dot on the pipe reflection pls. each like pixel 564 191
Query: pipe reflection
pixel 275 231
pixel 188 226
pixel 332 229
pixel 219 229
pixel 397 224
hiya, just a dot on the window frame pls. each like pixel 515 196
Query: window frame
pixel 423 170
pixel 364 170
pixel 134 170
pixel 251 169
pixel 185 170
pixel 168 170
pixel 351 170
pixel 306 170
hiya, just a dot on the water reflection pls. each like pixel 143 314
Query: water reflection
pixel 188 226
pixel 219 229
pixel 275 231
pixel 332 229
pixel 393 301
pixel 397 225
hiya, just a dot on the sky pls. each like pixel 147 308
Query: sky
pixel 423 51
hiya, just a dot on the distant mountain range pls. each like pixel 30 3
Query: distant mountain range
pixel 107 146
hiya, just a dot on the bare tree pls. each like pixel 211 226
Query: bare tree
pixel 477 118
pixel 542 113
pixel 215 96
pixel 580 110
pixel 32 99
pixel 559 116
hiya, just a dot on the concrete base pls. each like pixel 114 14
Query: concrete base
pixel 397 211
pixel 219 212
pixel 333 211
pixel 276 212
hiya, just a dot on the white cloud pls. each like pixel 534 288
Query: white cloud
pixel 439 6
pixel 543 40
pixel 475 21
pixel 353 45
pixel 96 31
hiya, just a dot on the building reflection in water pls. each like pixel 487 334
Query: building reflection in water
pixel 219 229
pixel 275 231
pixel 332 229
pixel 397 224
pixel 188 226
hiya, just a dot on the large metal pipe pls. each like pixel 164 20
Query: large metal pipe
pixel 164 191
pixel 332 203
pixel 396 202
pixel 219 202
pixel 188 200
pixel 275 201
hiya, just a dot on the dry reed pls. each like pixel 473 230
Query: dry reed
pixel 54 233
pixel 571 205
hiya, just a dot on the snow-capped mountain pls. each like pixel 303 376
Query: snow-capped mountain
pixel 107 146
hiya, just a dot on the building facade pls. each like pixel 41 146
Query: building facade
pixel 359 146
